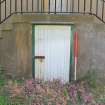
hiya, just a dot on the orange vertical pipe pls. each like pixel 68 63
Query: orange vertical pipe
pixel 76 45
pixel 75 54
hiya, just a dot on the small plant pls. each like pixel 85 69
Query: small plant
pixel 3 100
pixel 92 78
pixel 38 92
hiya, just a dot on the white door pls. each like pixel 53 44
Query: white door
pixel 52 51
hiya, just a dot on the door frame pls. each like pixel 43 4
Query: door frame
pixel 71 76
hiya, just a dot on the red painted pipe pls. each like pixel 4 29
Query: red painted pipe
pixel 76 46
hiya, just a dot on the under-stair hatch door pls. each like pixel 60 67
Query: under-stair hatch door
pixel 52 52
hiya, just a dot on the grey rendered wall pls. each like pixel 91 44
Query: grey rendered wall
pixel 16 45
pixel 92 49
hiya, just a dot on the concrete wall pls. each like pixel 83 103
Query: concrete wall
pixel 8 52
pixel 16 44
pixel 91 54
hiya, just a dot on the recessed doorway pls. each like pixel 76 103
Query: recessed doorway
pixel 51 51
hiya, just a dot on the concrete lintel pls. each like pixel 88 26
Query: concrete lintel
pixel 52 23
